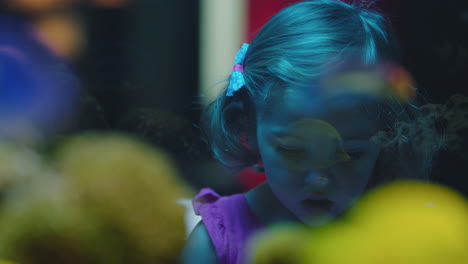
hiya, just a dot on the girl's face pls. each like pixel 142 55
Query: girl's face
pixel 318 153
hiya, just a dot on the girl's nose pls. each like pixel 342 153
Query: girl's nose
pixel 318 179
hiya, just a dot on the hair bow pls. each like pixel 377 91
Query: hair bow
pixel 236 80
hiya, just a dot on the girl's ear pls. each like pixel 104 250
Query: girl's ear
pixel 259 166
pixel 238 107
pixel 239 114
pixel 234 111
pixel 231 130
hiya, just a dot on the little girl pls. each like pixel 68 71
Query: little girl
pixel 310 100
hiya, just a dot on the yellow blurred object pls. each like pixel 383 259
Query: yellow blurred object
pixel 62 33
pixel 405 222
pixel 104 198
pixel 131 185
pixel 6 262
pixel 46 223
pixel 280 244
pixel 19 164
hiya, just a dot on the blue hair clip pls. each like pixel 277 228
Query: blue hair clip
pixel 237 81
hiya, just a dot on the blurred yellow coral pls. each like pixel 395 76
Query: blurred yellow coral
pixel 104 198
pixel 277 245
pixel 132 185
pixel 405 222
pixel 44 223
pixel 18 164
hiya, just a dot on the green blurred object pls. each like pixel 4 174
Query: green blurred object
pixel 102 198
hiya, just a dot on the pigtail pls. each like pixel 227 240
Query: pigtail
pixel 229 126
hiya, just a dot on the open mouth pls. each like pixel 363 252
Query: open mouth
pixel 318 207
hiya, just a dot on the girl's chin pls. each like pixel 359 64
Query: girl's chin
pixel 318 220
pixel 318 212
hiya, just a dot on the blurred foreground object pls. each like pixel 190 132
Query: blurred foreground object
pixel 105 198
pixel 405 222
pixel 37 89
pixel 382 81
pixel 62 33
pixel 18 165
pixel 132 186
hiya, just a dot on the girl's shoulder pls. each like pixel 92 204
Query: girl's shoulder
pixel 204 199
pixel 227 223
pixel 199 248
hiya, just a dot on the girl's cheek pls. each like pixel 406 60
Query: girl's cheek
pixel 284 162
pixel 293 164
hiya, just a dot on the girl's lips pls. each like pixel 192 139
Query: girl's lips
pixel 318 206
pixel 317 196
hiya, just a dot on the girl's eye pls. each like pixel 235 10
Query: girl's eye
pixel 355 155
pixel 292 151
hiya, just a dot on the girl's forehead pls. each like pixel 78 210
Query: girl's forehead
pixel 352 114
pixel 307 102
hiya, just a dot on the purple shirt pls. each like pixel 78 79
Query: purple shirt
pixel 229 222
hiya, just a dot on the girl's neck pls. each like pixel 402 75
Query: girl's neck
pixel 266 207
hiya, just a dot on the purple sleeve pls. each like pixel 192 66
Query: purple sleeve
pixel 229 222
pixel 204 204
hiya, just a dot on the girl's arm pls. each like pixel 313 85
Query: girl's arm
pixel 199 248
